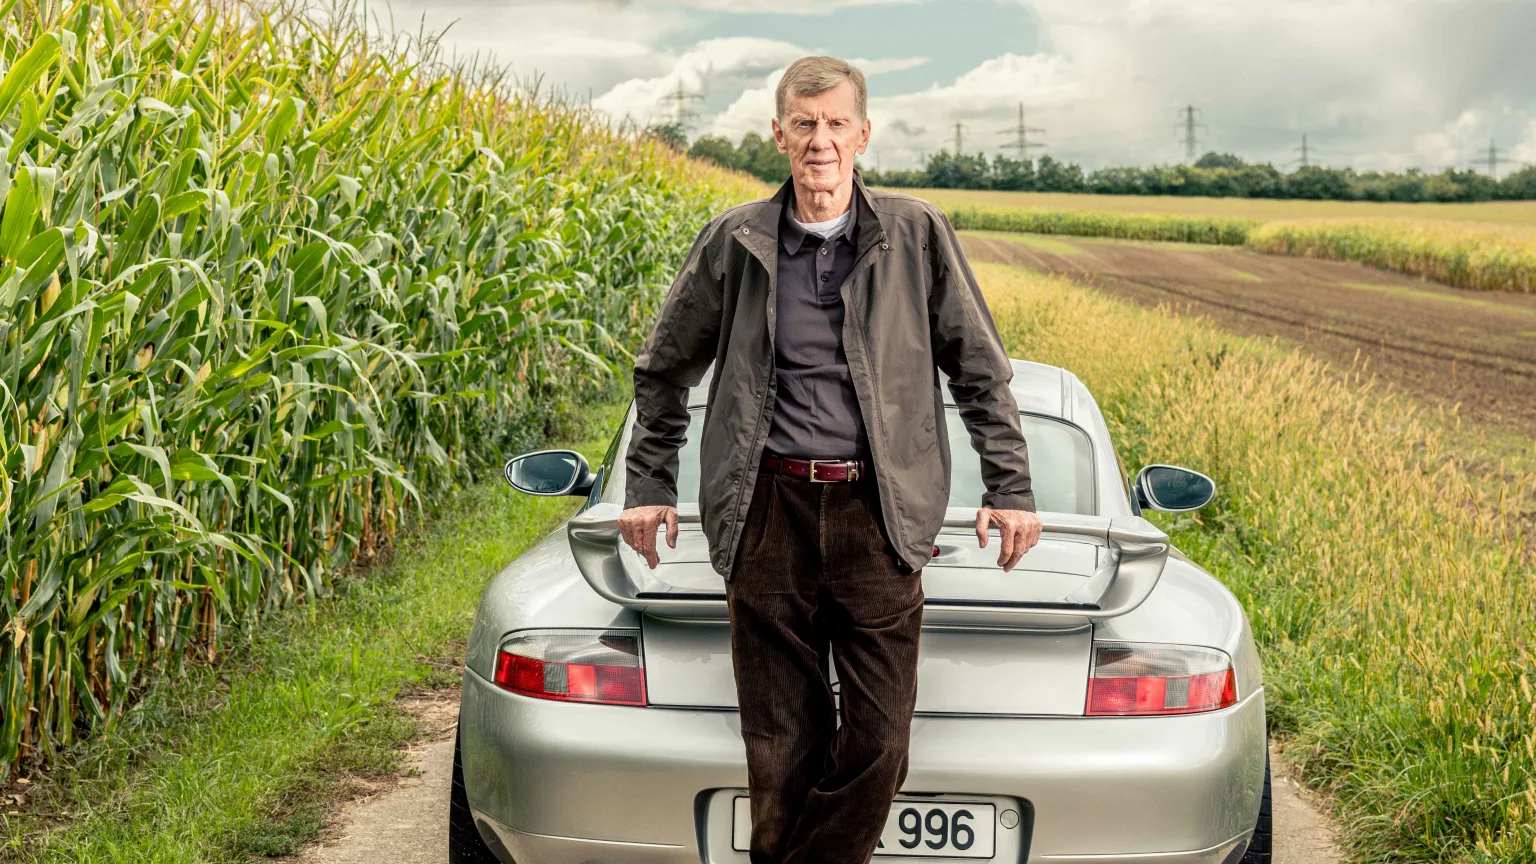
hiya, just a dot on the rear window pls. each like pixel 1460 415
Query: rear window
pixel 1060 464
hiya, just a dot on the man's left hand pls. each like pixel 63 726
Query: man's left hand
pixel 1020 530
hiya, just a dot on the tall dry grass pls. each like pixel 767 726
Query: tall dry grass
pixel 1390 588
pixel 267 283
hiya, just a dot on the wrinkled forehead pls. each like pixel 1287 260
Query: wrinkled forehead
pixel 838 103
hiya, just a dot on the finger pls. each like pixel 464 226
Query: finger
pixel 1020 546
pixel 1035 527
pixel 646 544
pixel 981 527
pixel 1005 554
pixel 672 528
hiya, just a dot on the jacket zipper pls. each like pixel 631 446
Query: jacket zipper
pixel 755 451
pixel 864 263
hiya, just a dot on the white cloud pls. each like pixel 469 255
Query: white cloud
pixel 1374 83
pixel 711 66
pixel 722 65
pixel 1525 151
pixel 790 7
pixel 871 68
pixel 572 45
pixel 1408 82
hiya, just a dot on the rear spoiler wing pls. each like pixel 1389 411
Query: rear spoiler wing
pixel 1135 552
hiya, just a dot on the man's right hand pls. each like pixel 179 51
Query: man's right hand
pixel 638 526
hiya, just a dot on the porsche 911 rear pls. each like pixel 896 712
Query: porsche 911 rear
pixel 622 745
pixel 1101 702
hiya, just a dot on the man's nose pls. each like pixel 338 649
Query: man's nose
pixel 821 137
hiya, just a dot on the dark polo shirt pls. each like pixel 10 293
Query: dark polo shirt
pixel 816 413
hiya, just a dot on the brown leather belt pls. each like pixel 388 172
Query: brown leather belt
pixel 816 470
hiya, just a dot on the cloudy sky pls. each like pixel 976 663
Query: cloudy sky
pixel 1384 84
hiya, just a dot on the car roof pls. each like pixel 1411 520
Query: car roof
pixel 1037 387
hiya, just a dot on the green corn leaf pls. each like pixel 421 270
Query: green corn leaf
pixel 31 120
pixel 21 209
pixel 289 111
pixel 27 71
pixel 183 203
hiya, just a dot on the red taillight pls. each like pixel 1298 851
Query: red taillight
pixel 1134 679
pixel 603 666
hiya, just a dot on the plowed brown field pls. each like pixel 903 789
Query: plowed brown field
pixel 1439 344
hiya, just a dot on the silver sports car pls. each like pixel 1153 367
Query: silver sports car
pixel 1100 703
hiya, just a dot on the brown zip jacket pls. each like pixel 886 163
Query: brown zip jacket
pixel 912 308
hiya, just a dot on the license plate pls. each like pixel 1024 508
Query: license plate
pixel 917 828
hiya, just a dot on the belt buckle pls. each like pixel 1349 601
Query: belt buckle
pixel 851 474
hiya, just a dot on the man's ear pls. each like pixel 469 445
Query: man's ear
pixel 864 137
pixel 778 136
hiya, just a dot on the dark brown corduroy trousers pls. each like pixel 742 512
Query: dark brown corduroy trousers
pixel 815 579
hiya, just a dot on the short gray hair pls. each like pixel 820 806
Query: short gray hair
pixel 810 76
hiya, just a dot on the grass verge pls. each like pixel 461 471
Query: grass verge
pixel 244 759
pixel 1390 586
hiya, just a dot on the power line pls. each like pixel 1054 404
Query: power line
pixel 1305 151
pixel 680 99
pixel 959 138
pixel 1190 141
pixel 1022 131
pixel 1491 155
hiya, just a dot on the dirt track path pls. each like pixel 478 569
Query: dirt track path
pixel 407 824
pixel 1442 345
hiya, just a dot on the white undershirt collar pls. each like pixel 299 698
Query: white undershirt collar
pixel 829 228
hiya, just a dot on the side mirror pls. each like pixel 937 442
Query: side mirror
pixel 1172 489
pixel 550 473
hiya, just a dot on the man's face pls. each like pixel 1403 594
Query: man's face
pixel 821 134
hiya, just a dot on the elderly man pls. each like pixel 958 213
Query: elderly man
pixel 826 311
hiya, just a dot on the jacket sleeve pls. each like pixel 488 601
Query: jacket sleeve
pixel 968 350
pixel 673 359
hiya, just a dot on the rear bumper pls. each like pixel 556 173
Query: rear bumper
pixel 559 782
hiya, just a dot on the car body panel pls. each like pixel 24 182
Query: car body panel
pixel 688 664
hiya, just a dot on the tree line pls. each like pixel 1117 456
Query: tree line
pixel 1219 175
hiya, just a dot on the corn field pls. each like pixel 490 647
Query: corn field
pixel 1464 254
pixel 1125 226
pixel 270 283
pixel 1389 585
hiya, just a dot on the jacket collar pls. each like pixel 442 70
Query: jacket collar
pixel 792 236
pixel 759 232
pixel 764 221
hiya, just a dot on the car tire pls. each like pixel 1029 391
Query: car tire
pixel 1261 845
pixel 465 845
